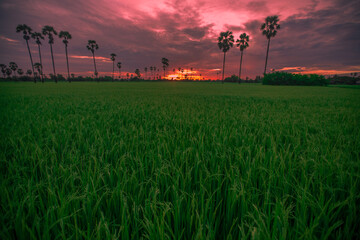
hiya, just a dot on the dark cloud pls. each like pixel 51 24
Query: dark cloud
pixel 257 6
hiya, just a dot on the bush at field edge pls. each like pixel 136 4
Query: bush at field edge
pixel 284 78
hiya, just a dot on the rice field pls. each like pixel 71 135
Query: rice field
pixel 179 161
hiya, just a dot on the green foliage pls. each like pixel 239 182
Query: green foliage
pixel 233 78
pixel 225 41
pixel 178 161
pixel 284 78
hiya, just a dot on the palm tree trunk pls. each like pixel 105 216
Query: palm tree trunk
pixel 223 68
pixel 67 62
pixel 41 74
pixel 113 69
pixel 240 66
pixel 267 53
pixel 32 64
pixel 95 65
pixel 53 63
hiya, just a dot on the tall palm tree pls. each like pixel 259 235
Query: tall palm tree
pixel 269 29
pixel 38 67
pixel 137 72
pixel 112 57
pixel 26 30
pixel 151 72
pixel 92 46
pixel 20 71
pixel 242 43
pixel 3 69
pixel 29 72
pixel 37 36
pixel 225 42
pixel 145 70
pixel 165 63
pixel 13 66
pixel 66 37
pixel 8 72
pixel 119 67
pixel 49 31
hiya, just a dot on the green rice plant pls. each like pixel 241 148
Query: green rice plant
pixel 138 160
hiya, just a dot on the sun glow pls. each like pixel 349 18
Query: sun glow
pixel 184 74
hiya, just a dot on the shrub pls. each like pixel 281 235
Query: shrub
pixel 233 78
pixel 284 78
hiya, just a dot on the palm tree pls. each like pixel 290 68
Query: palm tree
pixel 66 37
pixel 165 63
pixel 8 72
pixel 92 46
pixel 119 67
pixel 145 69
pixel 269 29
pixel 242 43
pixel 13 66
pixel 3 69
pixel 20 71
pixel 112 57
pixel 26 30
pixel 137 72
pixel 37 36
pixel 50 32
pixel 38 67
pixel 151 71
pixel 29 72
pixel 225 42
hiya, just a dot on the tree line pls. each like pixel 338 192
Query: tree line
pixel 225 43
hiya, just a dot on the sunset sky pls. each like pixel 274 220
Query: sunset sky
pixel 316 36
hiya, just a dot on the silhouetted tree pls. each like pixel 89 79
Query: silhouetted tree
pixel 20 71
pixel 29 72
pixel 137 72
pixel 151 72
pixel 66 37
pixel 37 36
pixel 119 67
pixel 8 72
pixel 38 68
pixel 165 63
pixel 242 43
pixel 112 57
pixel 49 31
pixel 26 30
pixel 3 69
pixel 13 66
pixel 92 46
pixel 145 69
pixel 269 29
pixel 225 42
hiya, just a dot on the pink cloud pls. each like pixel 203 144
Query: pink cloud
pixel 8 39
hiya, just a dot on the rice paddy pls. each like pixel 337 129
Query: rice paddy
pixel 179 161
